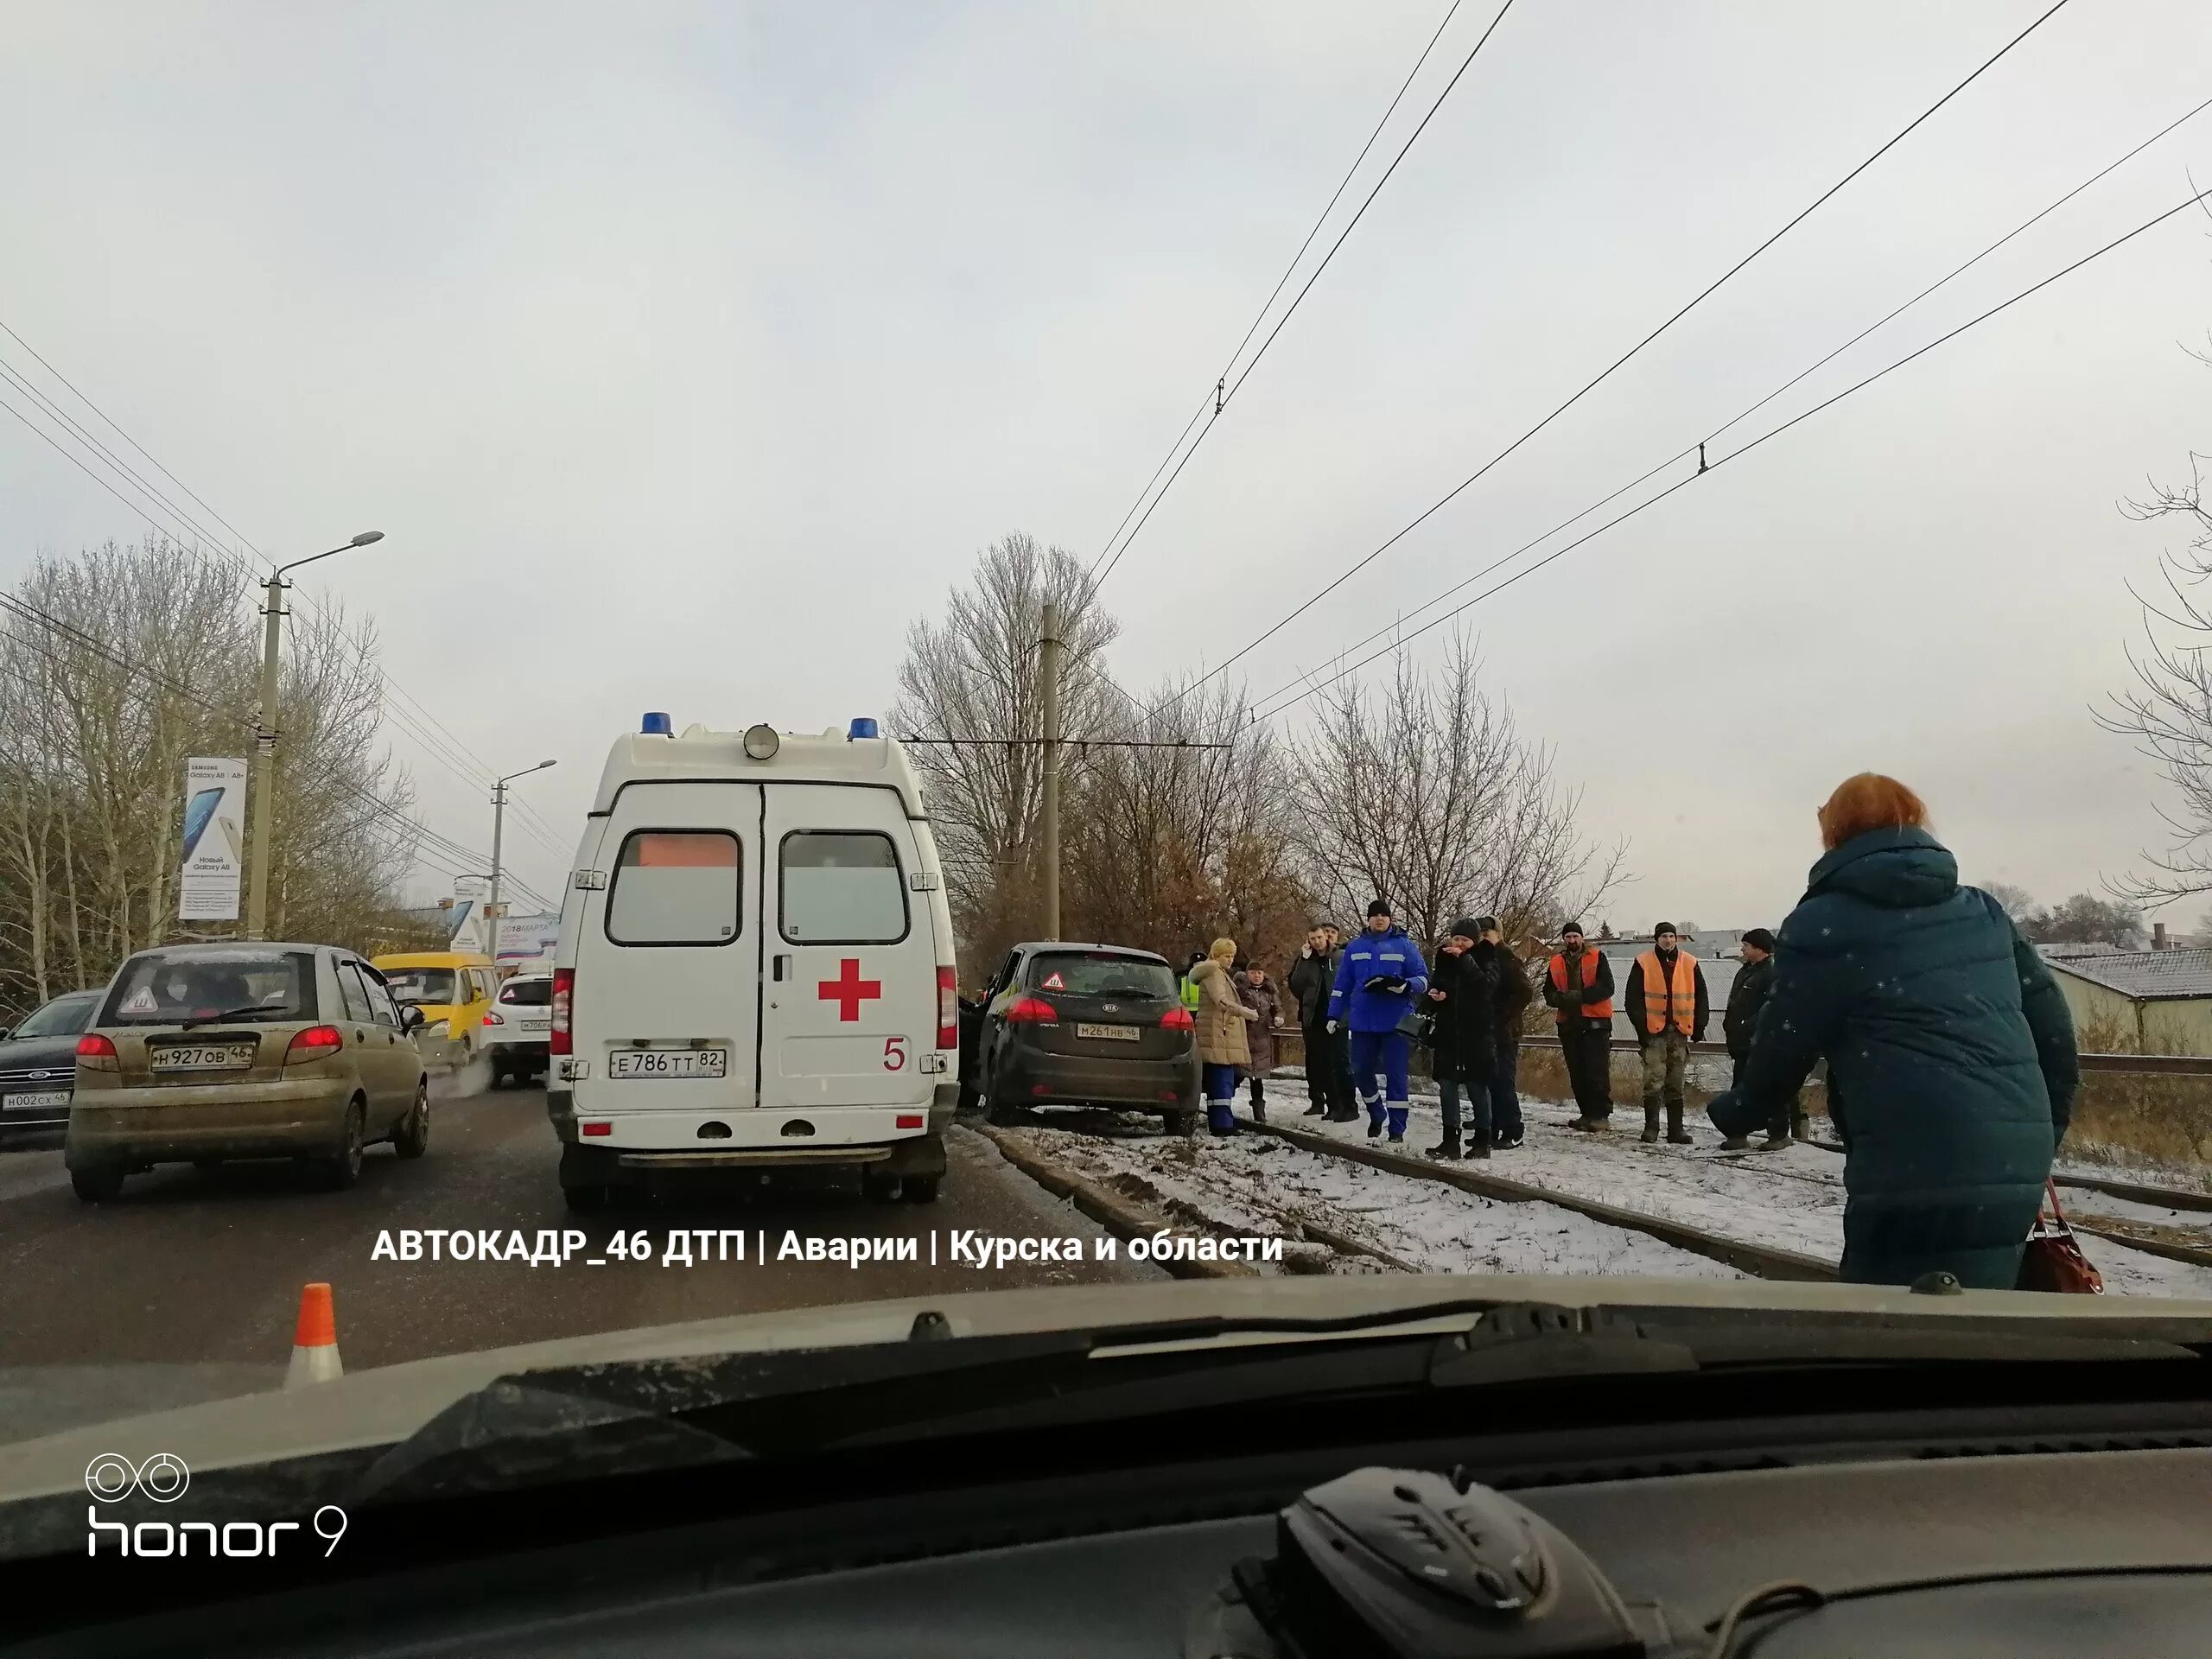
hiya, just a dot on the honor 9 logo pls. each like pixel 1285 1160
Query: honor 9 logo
pixel 163 1478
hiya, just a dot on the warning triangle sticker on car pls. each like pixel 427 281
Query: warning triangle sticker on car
pixel 1053 982
pixel 141 1001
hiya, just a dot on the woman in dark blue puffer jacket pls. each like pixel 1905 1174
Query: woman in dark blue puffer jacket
pixel 1950 1053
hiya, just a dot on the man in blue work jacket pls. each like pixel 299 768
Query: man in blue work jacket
pixel 1380 980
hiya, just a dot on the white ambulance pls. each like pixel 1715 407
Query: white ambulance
pixel 756 967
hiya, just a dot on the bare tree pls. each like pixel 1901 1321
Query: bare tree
pixel 1424 792
pixel 2019 903
pixel 975 675
pixel 2085 919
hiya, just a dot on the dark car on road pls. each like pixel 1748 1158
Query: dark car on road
pixel 38 1069
pixel 1081 1025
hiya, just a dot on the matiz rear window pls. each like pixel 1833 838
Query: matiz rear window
pixel 675 886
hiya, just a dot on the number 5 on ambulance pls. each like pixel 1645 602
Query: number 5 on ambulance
pixel 755 968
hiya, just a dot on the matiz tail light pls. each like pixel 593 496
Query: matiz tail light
pixel 948 1008
pixel 96 1052
pixel 315 1043
pixel 557 1040
pixel 1032 1011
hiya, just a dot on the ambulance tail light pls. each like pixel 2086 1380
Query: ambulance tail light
pixel 557 1040
pixel 1177 1019
pixel 1032 1011
pixel 948 1008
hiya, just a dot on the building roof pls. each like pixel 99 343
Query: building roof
pixel 2145 975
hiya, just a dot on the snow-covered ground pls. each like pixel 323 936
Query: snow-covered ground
pixel 1256 1184
pixel 1791 1199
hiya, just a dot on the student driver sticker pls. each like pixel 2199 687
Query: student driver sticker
pixel 1053 982
pixel 141 1001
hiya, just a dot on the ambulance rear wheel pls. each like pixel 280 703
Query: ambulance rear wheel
pixel 919 1189
pixel 880 1189
pixel 586 1200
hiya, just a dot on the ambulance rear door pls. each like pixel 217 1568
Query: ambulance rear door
pixel 851 1003
pixel 665 1007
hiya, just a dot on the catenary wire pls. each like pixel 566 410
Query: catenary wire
pixel 1744 414
pixel 1791 224
pixel 1744 449
pixel 1219 401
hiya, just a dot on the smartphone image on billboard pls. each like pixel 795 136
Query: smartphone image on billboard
pixel 198 816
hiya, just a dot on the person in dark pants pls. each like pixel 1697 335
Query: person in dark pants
pixel 1579 985
pixel 1952 1068
pixel 1745 998
pixel 1260 995
pixel 1513 999
pixel 1463 993
pixel 1328 1057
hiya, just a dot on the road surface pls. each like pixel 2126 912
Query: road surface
pixel 187 1286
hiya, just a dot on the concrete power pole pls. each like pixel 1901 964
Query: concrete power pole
pixel 264 759
pixel 1049 649
pixel 491 903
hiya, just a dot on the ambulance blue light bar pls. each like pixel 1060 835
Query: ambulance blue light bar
pixel 861 728
pixel 659 726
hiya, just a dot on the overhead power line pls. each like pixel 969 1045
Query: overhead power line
pixel 1745 413
pixel 1220 395
pixel 1453 494
pixel 1714 466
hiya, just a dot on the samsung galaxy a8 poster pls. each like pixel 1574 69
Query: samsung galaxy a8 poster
pixel 214 839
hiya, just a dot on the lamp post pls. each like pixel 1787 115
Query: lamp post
pixel 498 826
pixel 265 750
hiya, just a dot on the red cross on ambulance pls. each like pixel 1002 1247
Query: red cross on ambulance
pixel 849 990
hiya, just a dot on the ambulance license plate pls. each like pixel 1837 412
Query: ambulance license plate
pixel 669 1062
pixel 1118 1033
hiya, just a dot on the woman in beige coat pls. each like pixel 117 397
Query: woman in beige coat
pixel 1222 1017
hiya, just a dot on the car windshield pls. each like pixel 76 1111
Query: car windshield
pixel 247 986
pixel 1548 649
pixel 1100 975
pixel 436 986
pixel 65 1016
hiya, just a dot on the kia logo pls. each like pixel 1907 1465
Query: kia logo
pixel 1110 1007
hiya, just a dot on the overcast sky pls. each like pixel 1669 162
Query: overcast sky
pixel 685 354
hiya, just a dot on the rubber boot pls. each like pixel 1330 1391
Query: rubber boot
pixel 1650 1125
pixel 1737 1143
pixel 1676 1134
pixel 1447 1147
pixel 1801 1127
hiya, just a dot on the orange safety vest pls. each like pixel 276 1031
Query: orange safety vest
pixel 1669 1002
pixel 1601 1010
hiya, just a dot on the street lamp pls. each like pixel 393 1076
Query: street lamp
pixel 264 751
pixel 498 825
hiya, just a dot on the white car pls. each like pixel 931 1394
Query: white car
pixel 518 1026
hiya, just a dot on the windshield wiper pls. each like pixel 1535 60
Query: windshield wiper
pixel 230 1014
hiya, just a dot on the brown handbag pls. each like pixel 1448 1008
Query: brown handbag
pixel 2052 1260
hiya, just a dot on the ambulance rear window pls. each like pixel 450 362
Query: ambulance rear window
pixel 675 886
pixel 842 887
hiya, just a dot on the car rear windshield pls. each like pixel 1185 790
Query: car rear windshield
pixel 248 986
pixel 1100 975
pixel 65 1016
pixel 438 987
pixel 529 993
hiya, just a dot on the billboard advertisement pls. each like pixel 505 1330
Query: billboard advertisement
pixel 214 839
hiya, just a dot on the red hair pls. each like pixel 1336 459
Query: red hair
pixel 1869 801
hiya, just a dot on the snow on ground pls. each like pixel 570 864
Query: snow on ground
pixel 1256 1184
pixel 1791 1199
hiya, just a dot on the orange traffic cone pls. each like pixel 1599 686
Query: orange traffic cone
pixel 315 1344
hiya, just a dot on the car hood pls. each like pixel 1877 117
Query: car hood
pixel 55 1054
pixel 384 1406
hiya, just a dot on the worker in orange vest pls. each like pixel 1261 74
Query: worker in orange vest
pixel 1578 986
pixel 1667 1007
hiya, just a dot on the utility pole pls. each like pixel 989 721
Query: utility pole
pixel 1049 648
pixel 498 827
pixel 264 736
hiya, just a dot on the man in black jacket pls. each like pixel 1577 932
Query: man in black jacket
pixel 1328 1059
pixel 1463 993
pixel 1745 998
